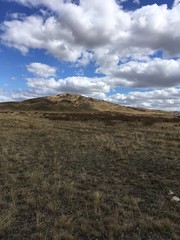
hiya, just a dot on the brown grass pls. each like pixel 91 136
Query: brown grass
pixel 88 176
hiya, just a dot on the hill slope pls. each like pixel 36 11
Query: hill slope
pixel 69 103
pixel 63 102
pixel 74 106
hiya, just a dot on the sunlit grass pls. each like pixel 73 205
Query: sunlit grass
pixel 88 179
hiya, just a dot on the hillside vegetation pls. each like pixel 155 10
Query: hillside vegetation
pixel 73 103
pixel 77 175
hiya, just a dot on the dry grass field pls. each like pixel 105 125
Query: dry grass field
pixel 67 176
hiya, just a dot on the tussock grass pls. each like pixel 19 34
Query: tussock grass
pixel 99 178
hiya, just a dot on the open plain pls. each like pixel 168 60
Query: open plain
pixel 89 174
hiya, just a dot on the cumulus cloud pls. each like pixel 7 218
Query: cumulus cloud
pixel 20 95
pixel 106 34
pixel 156 27
pixel 5 99
pixel 95 87
pixel 41 70
pixel 39 34
pixel 152 73
pixel 38 87
pixel 165 99
pixel 94 24
pixel 176 2
pixel 119 42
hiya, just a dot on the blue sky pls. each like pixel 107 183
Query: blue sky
pixel 121 51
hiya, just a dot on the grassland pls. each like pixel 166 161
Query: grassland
pixel 80 176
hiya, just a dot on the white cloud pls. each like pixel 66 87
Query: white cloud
pixel 95 87
pixel 176 2
pixel 20 95
pixel 105 34
pixel 94 25
pixel 85 59
pixel 4 97
pixel 164 99
pixel 152 73
pixel 150 28
pixel 39 34
pixel 51 4
pixel 38 87
pixel 41 70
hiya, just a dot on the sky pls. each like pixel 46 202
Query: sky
pixel 123 51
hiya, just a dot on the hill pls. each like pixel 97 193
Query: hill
pixel 74 103
pixel 64 102
pixel 76 107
